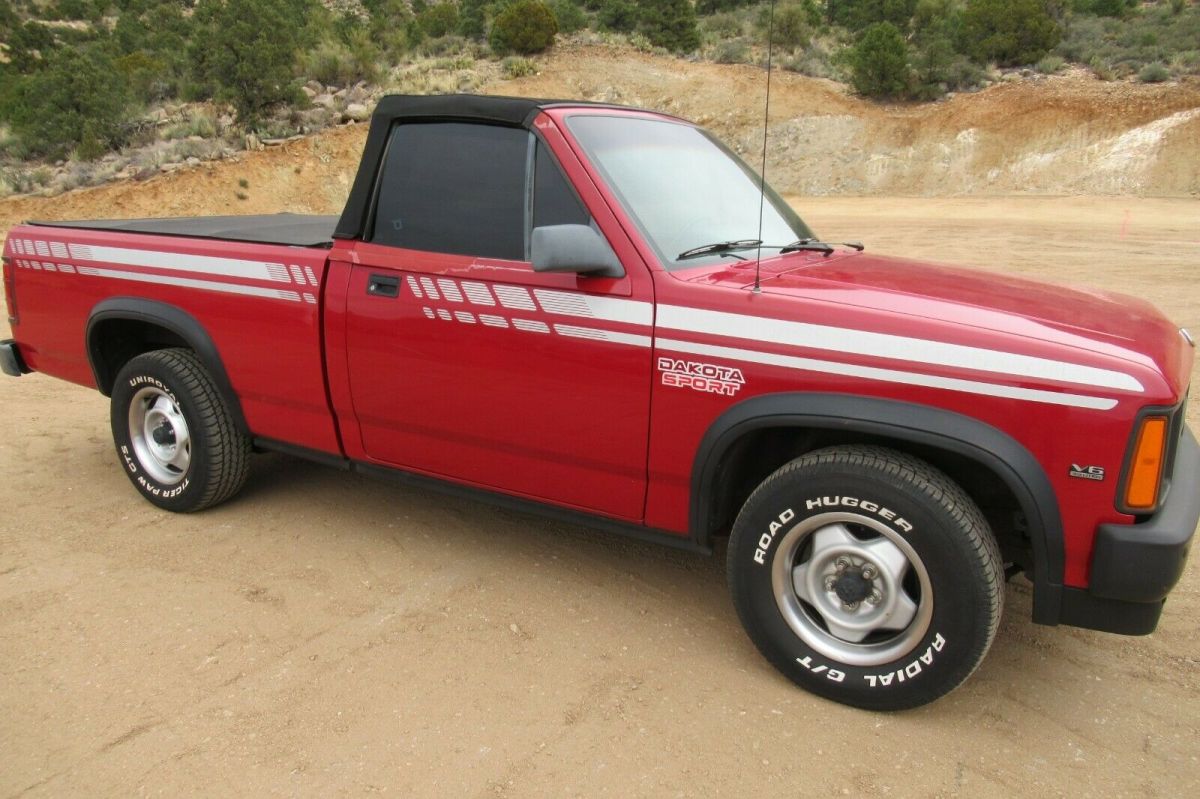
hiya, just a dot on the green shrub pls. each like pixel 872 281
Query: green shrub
pixel 472 19
pixel 879 62
pixel 524 26
pixel 716 6
pixel 722 26
pixel 670 24
pixel 857 15
pixel 570 16
pixel 78 100
pixel 814 62
pixel 1121 47
pixel 619 16
pixel 336 63
pixel 1154 73
pixel 439 20
pixel 731 51
pixel 1101 8
pixel 244 52
pixel 200 123
pixel 517 67
pixel 1008 32
pixel 1050 65
pixel 792 26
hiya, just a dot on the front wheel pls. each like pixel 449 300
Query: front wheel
pixel 174 433
pixel 867 577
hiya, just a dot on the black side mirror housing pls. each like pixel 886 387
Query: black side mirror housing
pixel 573 248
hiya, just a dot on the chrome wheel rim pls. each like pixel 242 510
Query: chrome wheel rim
pixel 159 434
pixel 852 588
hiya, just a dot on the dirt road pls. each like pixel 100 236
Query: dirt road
pixel 325 635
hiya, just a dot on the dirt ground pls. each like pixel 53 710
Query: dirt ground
pixel 326 635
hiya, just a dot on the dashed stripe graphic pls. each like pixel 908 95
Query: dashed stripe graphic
pixel 531 326
pixel 888 375
pixel 515 297
pixel 611 336
pixel 881 345
pixel 478 293
pixel 104 262
pixel 205 285
pixel 493 321
pixel 449 290
pixel 181 262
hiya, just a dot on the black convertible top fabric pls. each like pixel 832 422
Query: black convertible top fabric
pixel 514 111
pixel 297 230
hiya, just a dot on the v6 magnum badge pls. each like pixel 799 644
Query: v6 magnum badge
pixel 1087 472
pixel 705 377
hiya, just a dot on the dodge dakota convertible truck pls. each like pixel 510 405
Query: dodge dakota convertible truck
pixel 575 309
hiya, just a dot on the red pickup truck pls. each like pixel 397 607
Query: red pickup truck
pixel 572 308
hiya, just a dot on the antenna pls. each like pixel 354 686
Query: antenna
pixel 762 176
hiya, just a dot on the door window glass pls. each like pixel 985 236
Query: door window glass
pixel 456 188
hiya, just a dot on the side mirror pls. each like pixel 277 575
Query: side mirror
pixel 573 248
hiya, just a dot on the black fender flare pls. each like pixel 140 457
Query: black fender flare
pixel 168 317
pixel 918 424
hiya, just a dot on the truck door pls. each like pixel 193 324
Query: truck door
pixel 466 364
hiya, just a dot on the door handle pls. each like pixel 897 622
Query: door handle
pixel 383 286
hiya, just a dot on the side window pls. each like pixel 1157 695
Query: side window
pixel 554 201
pixel 453 187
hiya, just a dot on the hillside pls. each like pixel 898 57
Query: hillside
pixel 1067 134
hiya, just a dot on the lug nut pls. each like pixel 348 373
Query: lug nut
pixel 842 563
pixel 830 583
pixel 875 598
pixel 850 606
pixel 869 572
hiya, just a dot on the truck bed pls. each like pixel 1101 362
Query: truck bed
pixel 293 230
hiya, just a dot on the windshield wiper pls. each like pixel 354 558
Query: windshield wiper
pixel 819 246
pixel 719 248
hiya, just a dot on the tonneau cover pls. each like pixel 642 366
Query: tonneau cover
pixel 297 230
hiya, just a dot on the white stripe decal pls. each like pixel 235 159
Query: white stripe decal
pixel 889 375
pixel 491 320
pixel 477 293
pixel 531 326
pixel 449 290
pixel 514 297
pixel 882 345
pixel 181 262
pixel 208 285
pixel 608 309
pixel 602 335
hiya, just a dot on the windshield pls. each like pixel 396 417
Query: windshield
pixel 683 188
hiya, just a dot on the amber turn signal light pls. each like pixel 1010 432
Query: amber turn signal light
pixel 1145 470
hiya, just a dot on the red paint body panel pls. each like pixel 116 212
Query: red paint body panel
pixel 549 386
pixel 270 345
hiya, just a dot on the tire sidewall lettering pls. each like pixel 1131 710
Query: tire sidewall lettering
pixel 146 485
pixel 910 522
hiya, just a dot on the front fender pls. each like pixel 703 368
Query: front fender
pixel 988 446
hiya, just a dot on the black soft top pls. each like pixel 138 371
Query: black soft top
pixel 512 111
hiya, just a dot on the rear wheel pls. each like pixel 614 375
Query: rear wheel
pixel 174 433
pixel 866 576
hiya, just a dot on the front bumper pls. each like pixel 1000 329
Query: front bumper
pixel 11 362
pixel 1134 566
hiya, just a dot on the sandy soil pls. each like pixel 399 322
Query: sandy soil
pixel 327 635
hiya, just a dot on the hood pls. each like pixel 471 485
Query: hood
pixel 1102 322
